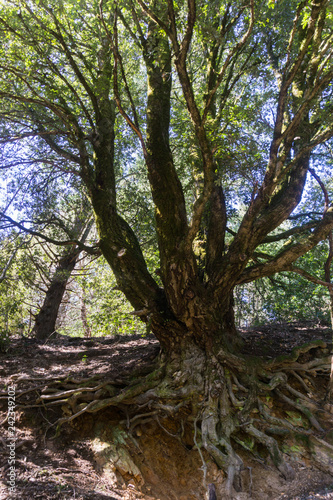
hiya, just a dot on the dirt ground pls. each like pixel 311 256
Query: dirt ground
pixel 69 467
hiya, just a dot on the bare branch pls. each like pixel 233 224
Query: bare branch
pixel 309 277
pixel 90 250
pixel 323 188
pixel 284 260
pixel 291 232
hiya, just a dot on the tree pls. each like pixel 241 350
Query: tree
pixel 12 297
pixel 45 320
pixel 195 83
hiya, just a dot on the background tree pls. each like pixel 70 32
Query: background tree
pixel 45 320
pixel 190 80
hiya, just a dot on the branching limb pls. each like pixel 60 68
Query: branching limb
pixel 309 277
pixel 291 232
pixel 153 16
pixel 89 250
pixel 113 39
pixel 285 259
pixel 10 261
pixel 229 59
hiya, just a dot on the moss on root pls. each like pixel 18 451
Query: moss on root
pixel 230 407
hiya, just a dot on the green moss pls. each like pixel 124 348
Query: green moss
pixel 119 436
pixel 297 419
pixel 248 443
pixel 295 353
pixel 298 448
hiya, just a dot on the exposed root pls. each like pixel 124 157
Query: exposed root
pixel 230 404
pixel 313 421
pixel 301 381
pixel 280 424
pixel 274 451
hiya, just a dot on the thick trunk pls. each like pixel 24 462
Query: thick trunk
pixel 197 320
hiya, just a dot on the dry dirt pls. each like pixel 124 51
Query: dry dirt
pixel 67 467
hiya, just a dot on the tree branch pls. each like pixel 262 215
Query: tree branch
pixel 134 124
pixel 90 250
pixel 323 188
pixel 285 259
pixel 309 277
pixel 230 58
pixel 290 232
pixel 154 17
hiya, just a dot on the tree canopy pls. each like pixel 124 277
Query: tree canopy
pixel 228 106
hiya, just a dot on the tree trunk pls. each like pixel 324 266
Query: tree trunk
pixel 84 319
pixel 46 318
pixel 45 321
pixel 327 268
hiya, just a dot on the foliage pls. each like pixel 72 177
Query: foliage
pixel 106 308
pixel 287 296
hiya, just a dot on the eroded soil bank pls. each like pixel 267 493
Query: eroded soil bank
pixel 79 462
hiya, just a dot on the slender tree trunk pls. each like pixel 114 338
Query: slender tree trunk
pixel 86 327
pixel 328 264
pixel 45 320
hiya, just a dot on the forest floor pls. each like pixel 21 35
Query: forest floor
pixel 66 467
